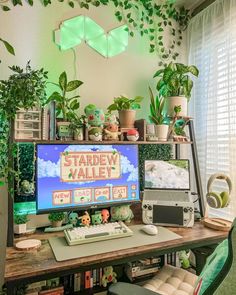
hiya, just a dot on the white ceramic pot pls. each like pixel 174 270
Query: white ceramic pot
pixel 171 102
pixel 20 228
pixel 162 132
pixel 79 134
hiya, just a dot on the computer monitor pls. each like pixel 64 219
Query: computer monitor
pixel 167 175
pixel 80 176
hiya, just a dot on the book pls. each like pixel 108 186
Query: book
pixel 54 291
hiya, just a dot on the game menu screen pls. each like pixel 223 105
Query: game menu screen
pixel 69 176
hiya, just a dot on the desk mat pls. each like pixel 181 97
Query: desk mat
pixel 63 251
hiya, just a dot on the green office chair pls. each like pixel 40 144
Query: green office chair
pixel 217 277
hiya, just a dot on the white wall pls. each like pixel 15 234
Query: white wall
pixel 30 31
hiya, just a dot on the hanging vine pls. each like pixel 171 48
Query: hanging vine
pixel 144 16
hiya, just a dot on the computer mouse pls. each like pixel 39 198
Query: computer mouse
pixel 150 229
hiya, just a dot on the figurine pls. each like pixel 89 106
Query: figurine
pixel 27 187
pixel 85 219
pixel 95 116
pixel 105 215
pixel 96 119
pixel 111 119
pixel 109 276
pixel 95 133
pixel 184 259
pixel 121 213
pixel 111 132
pixel 97 218
pixel 73 218
pixel 132 135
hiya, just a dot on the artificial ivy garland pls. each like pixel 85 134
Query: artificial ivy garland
pixel 145 16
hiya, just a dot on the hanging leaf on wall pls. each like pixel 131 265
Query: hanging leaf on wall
pixel 163 22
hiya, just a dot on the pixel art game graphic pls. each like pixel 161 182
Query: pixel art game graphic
pixel 86 175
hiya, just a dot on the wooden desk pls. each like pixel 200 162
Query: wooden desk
pixel 26 267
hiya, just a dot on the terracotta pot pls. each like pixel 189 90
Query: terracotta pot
pixel 127 118
pixel 171 102
pixel 57 223
pixel 162 132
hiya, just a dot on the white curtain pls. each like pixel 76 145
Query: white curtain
pixel 212 48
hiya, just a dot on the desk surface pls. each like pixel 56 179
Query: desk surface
pixel 41 263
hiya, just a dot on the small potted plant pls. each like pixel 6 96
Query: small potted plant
pixel 126 108
pixel 175 85
pixel 20 221
pixel 65 106
pixel 77 127
pixel 157 116
pixel 56 218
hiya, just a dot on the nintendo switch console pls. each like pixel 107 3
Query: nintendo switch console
pixel 167 208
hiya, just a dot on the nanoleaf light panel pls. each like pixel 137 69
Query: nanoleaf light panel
pixel 82 28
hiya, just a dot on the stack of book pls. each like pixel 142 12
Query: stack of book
pixel 144 268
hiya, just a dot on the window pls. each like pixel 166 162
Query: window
pixel 212 48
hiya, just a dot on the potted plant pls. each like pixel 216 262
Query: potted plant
pixel 157 116
pixel 20 221
pixel 56 218
pixel 126 108
pixel 77 126
pixel 66 107
pixel 176 85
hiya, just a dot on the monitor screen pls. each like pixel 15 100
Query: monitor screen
pixel 72 176
pixel 168 175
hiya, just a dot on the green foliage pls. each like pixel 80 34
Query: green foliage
pixel 156 108
pixel 20 219
pixel 23 89
pixel 56 216
pixel 174 80
pixel 144 16
pixel 125 103
pixel 66 106
pixel 152 152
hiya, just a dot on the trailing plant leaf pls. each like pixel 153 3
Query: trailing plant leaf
pixel 158 21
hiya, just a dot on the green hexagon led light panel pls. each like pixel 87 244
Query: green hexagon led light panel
pixel 82 28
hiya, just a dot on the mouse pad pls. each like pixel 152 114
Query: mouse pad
pixel 63 251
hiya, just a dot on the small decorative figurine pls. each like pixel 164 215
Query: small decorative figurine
pixel 85 219
pixel 111 132
pixel 95 116
pixel 97 218
pixel 27 187
pixel 109 276
pixel 105 215
pixel 132 135
pixel 184 259
pixel 121 213
pixel 73 218
pixel 95 133
pixel 96 119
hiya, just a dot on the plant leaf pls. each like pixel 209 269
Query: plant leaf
pixel 158 73
pixel 72 85
pixel 193 70
pixel 63 81
pixel 8 46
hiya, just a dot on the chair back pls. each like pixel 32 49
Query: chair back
pixel 225 282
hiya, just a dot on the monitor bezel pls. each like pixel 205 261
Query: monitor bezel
pixel 168 189
pixel 85 207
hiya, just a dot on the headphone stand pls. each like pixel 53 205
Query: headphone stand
pixel 217 223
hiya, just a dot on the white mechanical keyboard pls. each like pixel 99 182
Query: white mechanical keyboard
pixel 94 233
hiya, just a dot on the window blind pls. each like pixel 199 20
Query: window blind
pixel 212 48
